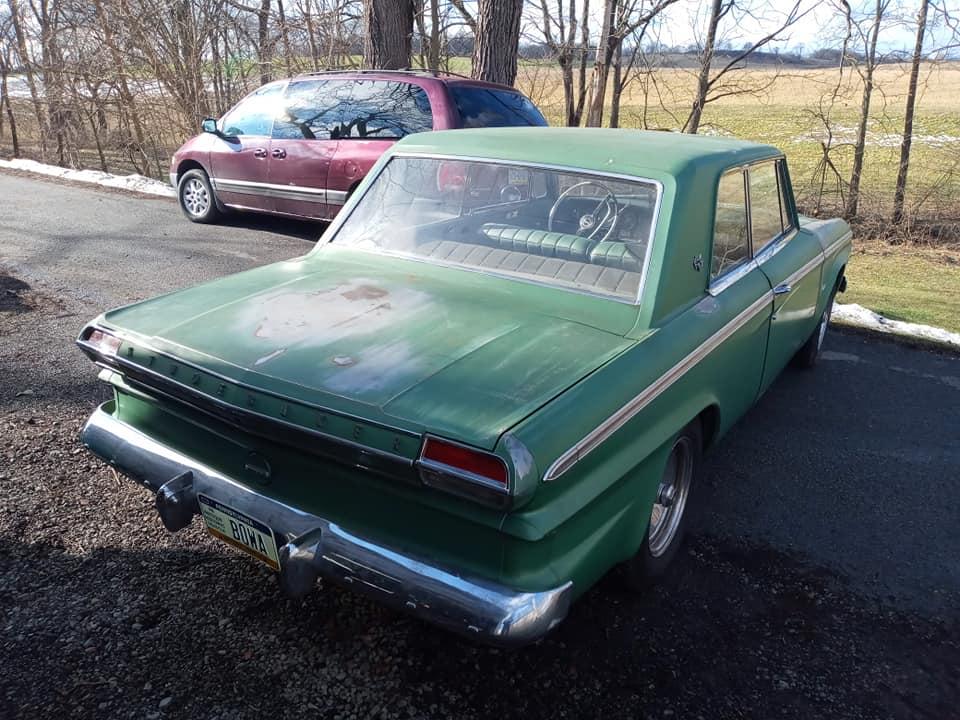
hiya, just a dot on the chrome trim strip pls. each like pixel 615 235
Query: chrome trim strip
pixel 282 192
pixel 315 546
pixel 839 242
pixel 654 219
pixel 628 411
pixel 144 347
pixel 805 270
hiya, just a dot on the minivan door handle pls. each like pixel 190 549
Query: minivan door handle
pixel 279 153
pixel 260 152
pixel 783 289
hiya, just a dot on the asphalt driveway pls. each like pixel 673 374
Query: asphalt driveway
pixel 822 577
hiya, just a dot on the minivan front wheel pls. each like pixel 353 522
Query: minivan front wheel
pixel 196 197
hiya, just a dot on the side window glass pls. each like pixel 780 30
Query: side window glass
pixel 785 218
pixel 313 110
pixel 384 110
pixel 730 245
pixel 765 210
pixel 254 115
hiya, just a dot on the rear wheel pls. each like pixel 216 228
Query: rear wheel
pixel 196 197
pixel 807 355
pixel 668 517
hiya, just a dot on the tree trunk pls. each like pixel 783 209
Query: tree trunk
pixel 5 102
pixel 285 38
pixel 617 89
pixel 433 58
pixel 264 47
pixel 27 65
pixel 853 199
pixel 582 70
pixel 703 77
pixel 601 65
pixel 388 26
pixel 901 190
pixel 498 35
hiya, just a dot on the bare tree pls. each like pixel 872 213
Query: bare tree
pixel 901 187
pixel 621 18
pixel 388 27
pixel 866 70
pixel 497 37
pixel 713 84
pixel 570 51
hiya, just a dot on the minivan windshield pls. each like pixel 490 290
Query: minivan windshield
pixel 558 227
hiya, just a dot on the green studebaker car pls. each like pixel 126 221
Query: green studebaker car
pixel 491 381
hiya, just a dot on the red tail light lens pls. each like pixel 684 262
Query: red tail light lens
pixel 465 471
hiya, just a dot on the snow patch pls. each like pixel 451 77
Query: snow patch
pixel 135 183
pixel 859 316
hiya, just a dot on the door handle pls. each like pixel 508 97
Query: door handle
pixel 260 152
pixel 279 153
pixel 783 289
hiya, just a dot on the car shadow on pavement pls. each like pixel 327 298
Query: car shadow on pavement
pixel 113 632
pixel 291 227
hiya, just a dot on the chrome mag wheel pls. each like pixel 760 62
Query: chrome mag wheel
pixel 671 500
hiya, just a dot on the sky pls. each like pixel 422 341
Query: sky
pixel 821 27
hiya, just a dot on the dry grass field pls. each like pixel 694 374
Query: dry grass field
pixel 918 280
pixel 785 114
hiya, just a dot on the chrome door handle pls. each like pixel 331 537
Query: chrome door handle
pixel 260 152
pixel 279 153
pixel 783 289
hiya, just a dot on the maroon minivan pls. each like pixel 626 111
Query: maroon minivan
pixel 299 147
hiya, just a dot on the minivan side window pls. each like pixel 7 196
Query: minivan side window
pixel 730 237
pixel 254 115
pixel 386 110
pixel 766 211
pixel 312 110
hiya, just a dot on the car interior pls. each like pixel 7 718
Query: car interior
pixel 572 230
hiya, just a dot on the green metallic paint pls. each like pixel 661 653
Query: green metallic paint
pixel 525 369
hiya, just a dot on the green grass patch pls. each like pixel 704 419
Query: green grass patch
pixel 906 284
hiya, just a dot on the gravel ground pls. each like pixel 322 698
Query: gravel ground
pixel 833 592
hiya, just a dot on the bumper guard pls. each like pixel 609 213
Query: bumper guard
pixel 316 547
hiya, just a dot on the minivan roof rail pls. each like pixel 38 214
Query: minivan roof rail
pixel 401 71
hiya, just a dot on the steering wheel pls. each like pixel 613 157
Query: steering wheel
pixel 592 222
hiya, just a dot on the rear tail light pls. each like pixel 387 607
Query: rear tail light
pixel 102 342
pixel 465 471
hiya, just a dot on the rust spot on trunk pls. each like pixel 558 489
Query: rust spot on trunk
pixel 365 292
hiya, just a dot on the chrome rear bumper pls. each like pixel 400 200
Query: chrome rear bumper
pixel 317 547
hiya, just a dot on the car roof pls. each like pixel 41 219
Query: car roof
pixel 643 153
pixel 447 78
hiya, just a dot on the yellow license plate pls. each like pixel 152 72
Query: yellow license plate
pixel 240 530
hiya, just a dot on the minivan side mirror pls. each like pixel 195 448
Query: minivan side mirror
pixel 209 125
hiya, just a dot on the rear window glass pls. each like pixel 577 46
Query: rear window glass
pixel 487 107
pixel 343 109
pixel 563 228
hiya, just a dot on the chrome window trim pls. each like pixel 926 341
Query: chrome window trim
pixel 775 245
pixel 628 411
pixel 369 181
pixel 728 278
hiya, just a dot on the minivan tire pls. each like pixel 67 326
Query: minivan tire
pixel 196 197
